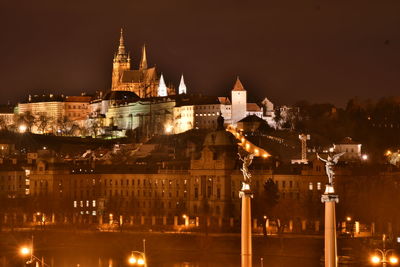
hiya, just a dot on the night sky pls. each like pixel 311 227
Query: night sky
pixel 286 50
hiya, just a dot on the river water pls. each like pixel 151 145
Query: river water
pixel 77 249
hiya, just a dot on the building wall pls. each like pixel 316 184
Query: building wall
pixel 239 104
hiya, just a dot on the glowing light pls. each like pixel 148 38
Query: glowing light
pixel 256 151
pixel 393 260
pixel 348 218
pixel 243 140
pixel 184 216
pixel 265 155
pixel 168 128
pixel 388 153
pixel 247 146
pixel 375 259
pixel 22 128
pixel 25 251
pixel 140 261
pixel 364 157
pixel 132 260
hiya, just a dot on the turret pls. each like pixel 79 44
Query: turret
pixel 182 86
pixel 162 87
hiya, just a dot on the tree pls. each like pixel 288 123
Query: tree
pixel 270 196
pixel 42 122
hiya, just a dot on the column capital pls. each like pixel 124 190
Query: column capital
pixel 329 198
pixel 245 193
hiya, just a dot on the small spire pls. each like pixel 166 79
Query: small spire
pixel 162 88
pixel 121 47
pixel 238 85
pixel 143 61
pixel 182 86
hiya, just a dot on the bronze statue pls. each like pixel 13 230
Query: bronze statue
pixel 247 160
pixel 329 163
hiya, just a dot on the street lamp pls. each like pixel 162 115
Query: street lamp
pixel 137 258
pixel 385 257
pixel 28 251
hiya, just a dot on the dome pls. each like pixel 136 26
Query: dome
pixel 121 96
pixel 219 138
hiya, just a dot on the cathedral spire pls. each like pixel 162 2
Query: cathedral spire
pixel 121 47
pixel 162 88
pixel 182 86
pixel 143 60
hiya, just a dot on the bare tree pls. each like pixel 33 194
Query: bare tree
pixel 42 122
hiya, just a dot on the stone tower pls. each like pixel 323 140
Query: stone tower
pixel 239 102
pixel 121 62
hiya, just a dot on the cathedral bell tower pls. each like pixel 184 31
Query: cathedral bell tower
pixel 121 62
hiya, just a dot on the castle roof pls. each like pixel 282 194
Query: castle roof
pixel 253 107
pixel 238 85
pixel 138 76
pixel 121 96
pixel 347 141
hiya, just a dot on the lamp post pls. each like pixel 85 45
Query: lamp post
pixel 385 256
pixel 28 251
pixel 137 258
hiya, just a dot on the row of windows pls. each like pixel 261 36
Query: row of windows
pixel 77 107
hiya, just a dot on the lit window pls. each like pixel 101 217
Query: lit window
pixel 81 204
pixel 319 186
pixel 94 203
pixel 310 186
pixel 87 203
pixel 94 213
pixel 75 204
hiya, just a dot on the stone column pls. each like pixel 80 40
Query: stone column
pixel 231 222
pixel 291 226
pixel 142 220
pixel 219 221
pixel 100 219
pixel 131 220
pixel 246 246
pixel 175 221
pixel 24 218
pixel 164 220
pixel 330 227
pixel 197 221
pixel 121 220
pixel 153 220
pixel 53 218
pixel 208 222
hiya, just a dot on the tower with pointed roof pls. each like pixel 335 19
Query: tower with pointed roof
pixel 143 60
pixel 162 88
pixel 239 101
pixel 182 86
pixel 121 62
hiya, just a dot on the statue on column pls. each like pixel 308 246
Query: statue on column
pixel 247 160
pixel 329 163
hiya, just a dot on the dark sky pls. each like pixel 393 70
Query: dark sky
pixel 286 50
